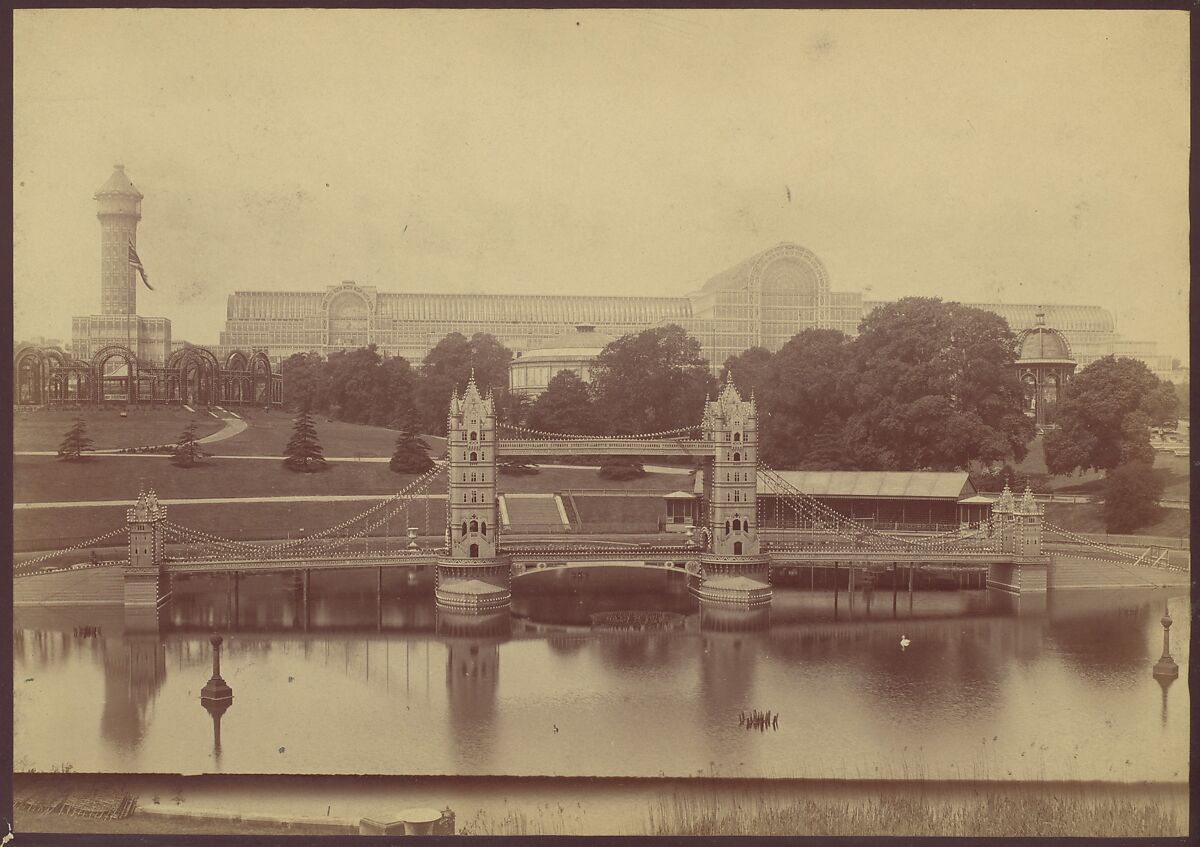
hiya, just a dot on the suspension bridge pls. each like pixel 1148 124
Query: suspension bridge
pixel 728 561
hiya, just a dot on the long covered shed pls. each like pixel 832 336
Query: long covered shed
pixel 886 499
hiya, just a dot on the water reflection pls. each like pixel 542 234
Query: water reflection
pixel 472 677
pixel 135 668
pixel 660 691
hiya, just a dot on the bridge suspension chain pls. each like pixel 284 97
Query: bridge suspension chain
pixel 1079 539
pixel 178 533
pixel 862 534
pixel 328 537
pixel 233 546
pixel 839 524
pixel 91 542
pixel 565 436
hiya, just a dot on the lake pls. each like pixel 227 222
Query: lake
pixel 988 688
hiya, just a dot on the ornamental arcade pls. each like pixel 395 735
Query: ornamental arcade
pixel 192 376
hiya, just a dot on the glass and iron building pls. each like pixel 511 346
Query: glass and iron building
pixel 762 301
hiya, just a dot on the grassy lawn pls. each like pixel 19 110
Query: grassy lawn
pixel 1175 471
pixel 1089 517
pixel 44 430
pixel 268 432
pixel 46 479
pixel 52 529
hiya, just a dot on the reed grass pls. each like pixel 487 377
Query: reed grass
pixel 988 815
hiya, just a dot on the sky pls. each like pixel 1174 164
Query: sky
pixel 981 156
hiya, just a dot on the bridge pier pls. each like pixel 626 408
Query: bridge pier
pixel 473 585
pixel 734 580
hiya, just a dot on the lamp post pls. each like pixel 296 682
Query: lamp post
pixel 216 696
pixel 1165 667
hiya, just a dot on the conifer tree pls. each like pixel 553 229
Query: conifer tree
pixel 412 453
pixel 303 451
pixel 188 452
pixel 75 442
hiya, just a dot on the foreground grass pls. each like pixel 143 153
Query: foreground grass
pixel 158 825
pixel 991 816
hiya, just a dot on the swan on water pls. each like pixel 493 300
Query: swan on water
pixel 904 642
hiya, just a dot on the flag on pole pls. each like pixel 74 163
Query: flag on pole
pixel 137 263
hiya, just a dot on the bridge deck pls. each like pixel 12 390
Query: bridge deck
pixel 650 556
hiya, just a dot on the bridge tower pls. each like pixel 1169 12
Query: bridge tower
pixel 733 569
pixel 474 575
pixel 146 586
pixel 1027 527
pixel 1002 521
pixel 1017 530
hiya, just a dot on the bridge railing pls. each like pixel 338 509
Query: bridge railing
pixel 604 447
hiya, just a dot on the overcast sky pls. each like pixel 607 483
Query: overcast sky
pixel 981 156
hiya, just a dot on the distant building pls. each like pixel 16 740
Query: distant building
pixel 574 351
pixel 1044 365
pixel 762 301
pixel 119 208
pixel 122 358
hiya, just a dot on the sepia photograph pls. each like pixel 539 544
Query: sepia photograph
pixel 610 422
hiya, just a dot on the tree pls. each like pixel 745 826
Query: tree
pixel 1105 415
pixel 188 452
pixel 1183 398
pixel 75 442
pixel 803 401
pixel 1131 494
pixel 933 387
pixel 565 406
pixel 512 407
pixel 651 381
pixel 411 454
pixel 750 370
pixel 303 451
pixel 302 374
pixel 449 364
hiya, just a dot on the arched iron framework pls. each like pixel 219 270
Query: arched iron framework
pixel 193 376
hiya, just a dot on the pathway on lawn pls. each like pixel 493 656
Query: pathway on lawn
pixel 664 469
pixel 233 426
pixel 201 501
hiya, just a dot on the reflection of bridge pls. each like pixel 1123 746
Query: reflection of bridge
pixel 727 562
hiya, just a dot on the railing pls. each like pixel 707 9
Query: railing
pixel 764 526
pixel 604 447
pixel 617 492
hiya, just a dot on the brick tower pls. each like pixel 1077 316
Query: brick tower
pixel 119 208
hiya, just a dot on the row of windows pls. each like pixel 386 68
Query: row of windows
pixel 474 526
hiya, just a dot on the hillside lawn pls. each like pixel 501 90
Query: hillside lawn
pixel 48 479
pixel 117 478
pixel 42 479
pixel 1174 469
pixel 44 429
pixel 1089 518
